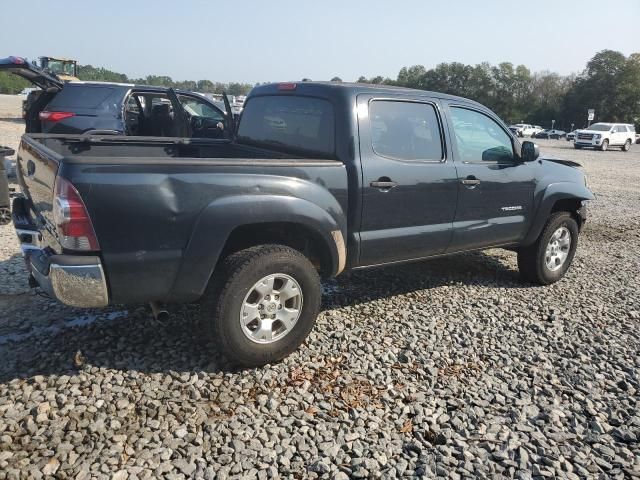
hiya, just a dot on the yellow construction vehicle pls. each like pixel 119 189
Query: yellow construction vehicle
pixel 65 68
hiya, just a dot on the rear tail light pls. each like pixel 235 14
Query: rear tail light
pixel 55 116
pixel 70 215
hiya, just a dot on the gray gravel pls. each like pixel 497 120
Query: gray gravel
pixel 451 367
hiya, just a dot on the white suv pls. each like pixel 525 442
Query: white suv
pixel 605 135
pixel 524 129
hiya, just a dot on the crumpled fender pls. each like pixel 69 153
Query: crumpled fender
pixel 548 198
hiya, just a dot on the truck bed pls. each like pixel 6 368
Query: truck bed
pixel 147 198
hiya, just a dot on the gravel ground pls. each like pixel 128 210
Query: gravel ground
pixel 451 367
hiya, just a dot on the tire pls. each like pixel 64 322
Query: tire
pixel 577 147
pixel 605 145
pixel 626 146
pixel 231 290
pixel 5 216
pixel 532 260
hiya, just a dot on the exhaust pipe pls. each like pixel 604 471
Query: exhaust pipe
pixel 158 313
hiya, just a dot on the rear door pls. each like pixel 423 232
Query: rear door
pixel 409 185
pixel 495 189
pixel 21 67
pixel 620 134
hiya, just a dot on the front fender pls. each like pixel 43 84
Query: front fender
pixel 218 220
pixel 548 198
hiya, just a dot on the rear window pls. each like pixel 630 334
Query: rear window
pixel 81 96
pixel 289 123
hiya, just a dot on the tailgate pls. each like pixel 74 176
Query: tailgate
pixel 37 167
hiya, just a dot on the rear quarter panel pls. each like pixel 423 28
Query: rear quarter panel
pixel 145 216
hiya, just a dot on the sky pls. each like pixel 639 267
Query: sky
pixel 279 40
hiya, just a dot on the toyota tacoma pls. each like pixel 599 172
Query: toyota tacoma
pixel 318 178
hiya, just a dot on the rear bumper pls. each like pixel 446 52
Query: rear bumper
pixel 76 280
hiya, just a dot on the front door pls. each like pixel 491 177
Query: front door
pixel 495 189
pixel 409 185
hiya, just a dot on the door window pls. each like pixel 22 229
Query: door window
pixel 480 138
pixel 205 120
pixel 199 108
pixel 405 130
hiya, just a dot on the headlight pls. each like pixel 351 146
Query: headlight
pixel 597 136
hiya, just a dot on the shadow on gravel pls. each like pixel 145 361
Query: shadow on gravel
pixel 476 268
pixel 129 339
pixel 12 119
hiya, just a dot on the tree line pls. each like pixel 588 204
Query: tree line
pixel 610 84
pixel 13 84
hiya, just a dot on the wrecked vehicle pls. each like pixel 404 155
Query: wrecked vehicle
pixel 319 178
pixel 115 108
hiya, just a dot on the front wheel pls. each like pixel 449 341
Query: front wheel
pixel 549 258
pixel 605 145
pixel 626 146
pixel 261 304
pixel 577 147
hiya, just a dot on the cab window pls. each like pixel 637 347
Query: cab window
pixel 405 130
pixel 479 138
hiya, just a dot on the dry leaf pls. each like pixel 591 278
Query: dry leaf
pixel 407 427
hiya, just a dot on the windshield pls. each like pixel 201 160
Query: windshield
pixel 600 127
pixel 59 67
pixel 289 123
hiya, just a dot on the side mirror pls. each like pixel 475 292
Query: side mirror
pixel 530 151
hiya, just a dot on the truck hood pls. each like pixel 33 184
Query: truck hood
pixel 23 68
pixel 587 130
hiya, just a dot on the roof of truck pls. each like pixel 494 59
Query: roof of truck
pixel 308 87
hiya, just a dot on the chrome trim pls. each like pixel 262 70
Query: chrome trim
pixel 79 285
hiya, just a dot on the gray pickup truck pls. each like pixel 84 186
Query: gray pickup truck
pixel 319 178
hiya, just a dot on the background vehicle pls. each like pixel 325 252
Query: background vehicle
pixel 113 108
pixel 571 136
pixel 551 133
pixel 604 135
pixel 5 211
pixel 523 129
pixel 64 68
pixel 321 177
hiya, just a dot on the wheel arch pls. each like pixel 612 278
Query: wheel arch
pixel 558 197
pixel 236 222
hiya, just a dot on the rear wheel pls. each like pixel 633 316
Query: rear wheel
pixel 577 147
pixel 626 146
pixel 261 304
pixel 549 258
pixel 5 216
pixel 605 145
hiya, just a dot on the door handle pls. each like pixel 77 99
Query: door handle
pixel 470 181
pixel 384 183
